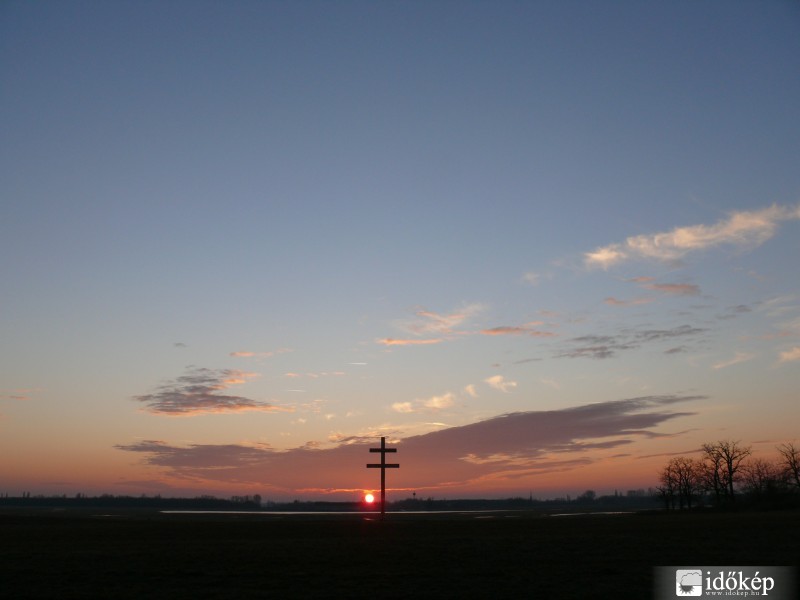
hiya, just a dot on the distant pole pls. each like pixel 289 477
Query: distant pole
pixel 383 465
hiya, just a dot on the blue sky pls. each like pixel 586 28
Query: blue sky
pixel 237 235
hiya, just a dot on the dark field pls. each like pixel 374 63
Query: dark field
pixel 503 555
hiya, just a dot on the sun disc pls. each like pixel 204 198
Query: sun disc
pixel 369 498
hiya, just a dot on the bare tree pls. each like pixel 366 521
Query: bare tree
pixel 733 455
pixel 790 461
pixel 681 479
pixel 711 472
pixel 762 477
pixel 723 460
pixel 668 490
pixel 688 473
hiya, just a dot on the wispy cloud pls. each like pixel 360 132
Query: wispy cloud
pixel 250 354
pixel 739 357
pixel 439 402
pixel 675 289
pixel 499 382
pixel 311 375
pixel 431 327
pixel 607 346
pixel 429 322
pixel 507 447
pixel 676 350
pixel 448 326
pixel 523 361
pixel 198 456
pixel 743 229
pixel 655 335
pixel 396 342
pixel 199 391
pixel 780 306
pixel 735 311
pixel 528 329
pixel 790 355
pixel 551 382
pixel 596 346
pixel 531 278
pixel 432 404
pixel 611 301
pixel 20 394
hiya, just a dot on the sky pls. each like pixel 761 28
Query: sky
pixel 541 247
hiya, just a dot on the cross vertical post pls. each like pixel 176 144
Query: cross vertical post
pixel 383 465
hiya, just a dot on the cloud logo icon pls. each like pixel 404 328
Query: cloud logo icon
pixel 688 582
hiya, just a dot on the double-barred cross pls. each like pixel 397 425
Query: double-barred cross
pixel 383 465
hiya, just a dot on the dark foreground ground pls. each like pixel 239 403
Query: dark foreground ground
pixel 65 554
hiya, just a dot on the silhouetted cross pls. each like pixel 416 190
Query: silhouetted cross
pixel 383 465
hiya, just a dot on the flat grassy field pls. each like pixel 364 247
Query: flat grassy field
pixel 68 554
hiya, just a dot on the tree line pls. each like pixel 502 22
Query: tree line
pixel 726 469
pixel 112 501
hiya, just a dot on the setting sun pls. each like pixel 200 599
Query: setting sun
pixel 369 498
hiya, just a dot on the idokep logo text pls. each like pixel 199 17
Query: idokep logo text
pixel 713 582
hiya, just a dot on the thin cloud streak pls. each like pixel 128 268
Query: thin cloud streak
pixel 395 342
pixel 675 289
pixel 527 329
pixel 611 301
pixel 250 354
pixel 20 394
pixel 739 357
